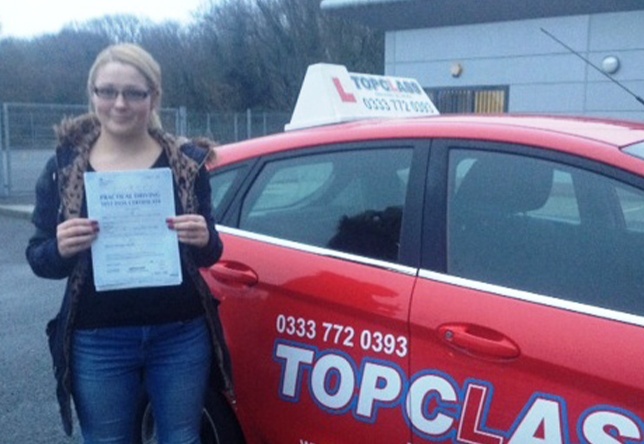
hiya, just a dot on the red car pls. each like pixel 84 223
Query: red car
pixel 464 279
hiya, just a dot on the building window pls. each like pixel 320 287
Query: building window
pixel 478 99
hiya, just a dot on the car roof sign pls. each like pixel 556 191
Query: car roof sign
pixel 331 94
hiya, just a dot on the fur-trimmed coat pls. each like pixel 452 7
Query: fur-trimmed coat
pixel 60 196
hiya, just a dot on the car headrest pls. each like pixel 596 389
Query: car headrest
pixel 505 184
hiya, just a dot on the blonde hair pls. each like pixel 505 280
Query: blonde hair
pixel 139 58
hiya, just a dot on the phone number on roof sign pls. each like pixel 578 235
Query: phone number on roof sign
pixel 397 105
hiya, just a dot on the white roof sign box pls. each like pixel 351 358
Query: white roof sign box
pixel 331 94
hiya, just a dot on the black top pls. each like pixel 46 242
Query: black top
pixel 138 306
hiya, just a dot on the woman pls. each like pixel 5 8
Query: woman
pixel 111 348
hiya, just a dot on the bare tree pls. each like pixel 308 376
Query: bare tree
pixel 50 69
pixel 227 33
pixel 116 28
pixel 239 54
pixel 263 47
pixel 173 47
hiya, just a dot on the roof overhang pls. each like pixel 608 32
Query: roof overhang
pixel 412 14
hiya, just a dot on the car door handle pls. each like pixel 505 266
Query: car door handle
pixel 231 272
pixel 479 341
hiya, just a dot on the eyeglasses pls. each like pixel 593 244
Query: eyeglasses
pixel 130 95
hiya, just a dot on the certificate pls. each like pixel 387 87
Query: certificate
pixel 134 248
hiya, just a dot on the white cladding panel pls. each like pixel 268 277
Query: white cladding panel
pixel 542 75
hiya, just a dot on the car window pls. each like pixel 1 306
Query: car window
pixel 545 227
pixel 561 203
pixel 349 201
pixel 220 184
pixel 632 207
pixel 291 185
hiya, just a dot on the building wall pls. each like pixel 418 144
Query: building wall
pixel 542 75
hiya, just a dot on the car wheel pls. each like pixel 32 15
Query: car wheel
pixel 218 423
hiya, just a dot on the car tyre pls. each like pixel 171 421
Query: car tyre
pixel 219 424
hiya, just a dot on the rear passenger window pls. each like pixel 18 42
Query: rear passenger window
pixel 545 227
pixel 350 201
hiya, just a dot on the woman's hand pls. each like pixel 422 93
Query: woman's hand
pixel 191 229
pixel 75 235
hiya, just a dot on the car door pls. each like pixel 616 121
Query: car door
pixel 527 320
pixel 315 295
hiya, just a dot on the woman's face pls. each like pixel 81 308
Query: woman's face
pixel 122 100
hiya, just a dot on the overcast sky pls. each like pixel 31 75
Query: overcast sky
pixel 29 18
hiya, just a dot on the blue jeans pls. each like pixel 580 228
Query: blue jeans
pixel 114 367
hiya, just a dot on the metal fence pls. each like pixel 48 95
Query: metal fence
pixel 27 137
